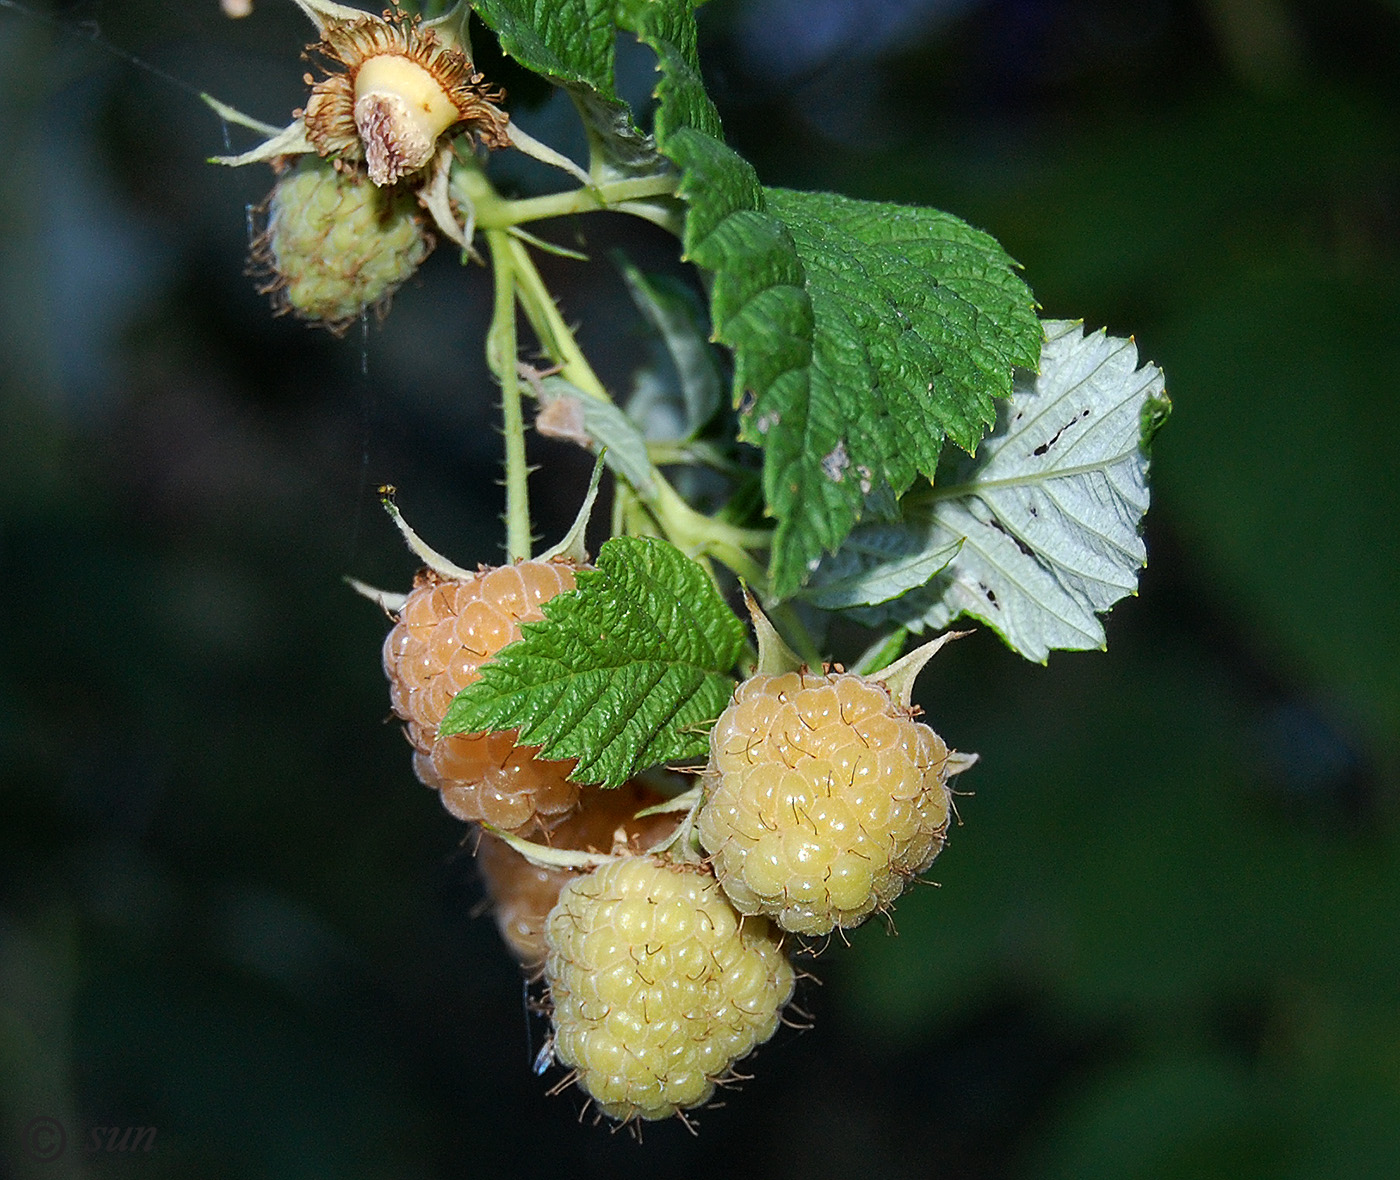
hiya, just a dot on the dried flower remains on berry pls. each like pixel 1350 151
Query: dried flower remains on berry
pixel 392 89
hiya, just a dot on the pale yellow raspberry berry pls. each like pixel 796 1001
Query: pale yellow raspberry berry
pixel 823 798
pixel 658 986
pixel 522 894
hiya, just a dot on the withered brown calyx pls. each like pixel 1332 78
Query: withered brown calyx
pixel 392 90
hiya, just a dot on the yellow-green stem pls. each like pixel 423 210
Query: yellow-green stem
pixel 502 350
pixel 500 213
pixel 556 337
pixel 699 536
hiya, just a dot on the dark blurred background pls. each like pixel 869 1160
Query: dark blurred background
pixel 1166 941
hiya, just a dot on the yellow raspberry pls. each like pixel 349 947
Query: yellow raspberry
pixel 823 798
pixel 522 894
pixel 658 986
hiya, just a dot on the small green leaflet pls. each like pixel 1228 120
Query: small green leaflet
pixel 1048 512
pixel 626 672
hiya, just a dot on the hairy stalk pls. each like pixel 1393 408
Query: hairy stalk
pixel 502 349
pixel 692 532
pixel 555 336
pixel 664 511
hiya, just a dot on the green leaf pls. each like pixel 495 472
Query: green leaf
pixel 919 321
pixel 876 564
pixel 916 310
pixel 759 307
pixel 571 42
pixel 565 40
pixel 862 332
pixel 623 673
pixel 570 414
pixel 1050 509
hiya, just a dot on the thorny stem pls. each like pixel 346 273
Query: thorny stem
pixel 502 349
pixel 686 528
pixel 678 517
pixel 556 337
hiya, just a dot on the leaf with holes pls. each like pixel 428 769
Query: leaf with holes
pixel 1049 510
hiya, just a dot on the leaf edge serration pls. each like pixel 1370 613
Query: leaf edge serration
pixel 615 703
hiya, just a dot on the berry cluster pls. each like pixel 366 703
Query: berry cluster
pixel 657 925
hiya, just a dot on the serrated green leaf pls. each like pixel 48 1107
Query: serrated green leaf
pixel 919 321
pixel 1050 509
pixel 915 306
pixel 759 306
pixel 622 674
pixel 572 42
pixel 565 40
pixel 863 333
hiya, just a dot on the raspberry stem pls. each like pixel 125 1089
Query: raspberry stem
pixel 501 213
pixel 697 535
pixel 555 336
pixel 693 532
pixel 502 349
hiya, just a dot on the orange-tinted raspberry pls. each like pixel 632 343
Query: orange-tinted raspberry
pixel 445 631
pixel 522 894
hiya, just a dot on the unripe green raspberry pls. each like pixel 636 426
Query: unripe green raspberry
pixel 336 245
pixel 658 986
pixel 823 798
